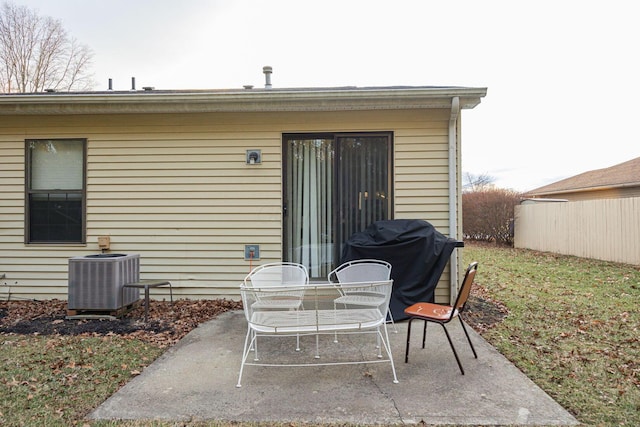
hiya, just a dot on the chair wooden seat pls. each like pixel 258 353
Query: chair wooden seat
pixel 425 309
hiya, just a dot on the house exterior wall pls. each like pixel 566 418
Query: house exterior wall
pixel 605 229
pixel 176 189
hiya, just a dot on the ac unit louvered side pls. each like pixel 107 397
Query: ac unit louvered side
pixel 97 283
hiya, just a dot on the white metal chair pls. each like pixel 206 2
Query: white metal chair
pixel 361 270
pixel 318 318
pixel 287 278
pixel 285 282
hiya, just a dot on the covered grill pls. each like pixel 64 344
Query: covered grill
pixel 417 252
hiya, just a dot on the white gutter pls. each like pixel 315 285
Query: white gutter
pixel 453 194
pixel 241 100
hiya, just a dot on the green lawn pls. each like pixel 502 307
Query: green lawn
pixel 573 327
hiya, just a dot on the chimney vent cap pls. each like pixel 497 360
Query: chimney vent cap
pixel 267 70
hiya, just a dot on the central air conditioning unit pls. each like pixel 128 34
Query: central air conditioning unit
pixel 96 282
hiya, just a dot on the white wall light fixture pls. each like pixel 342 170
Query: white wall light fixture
pixel 254 157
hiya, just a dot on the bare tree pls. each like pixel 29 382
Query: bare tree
pixel 37 54
pixel 476 182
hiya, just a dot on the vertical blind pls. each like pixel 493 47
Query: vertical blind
pixel 309 194
pixel 363 183
pixel 335 186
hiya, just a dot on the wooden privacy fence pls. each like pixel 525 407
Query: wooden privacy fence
pixel 606 229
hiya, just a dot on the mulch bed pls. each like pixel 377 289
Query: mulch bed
pixel 169 323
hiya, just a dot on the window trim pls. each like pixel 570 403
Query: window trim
pixel 28 192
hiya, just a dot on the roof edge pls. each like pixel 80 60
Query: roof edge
pixel 249 100
pixel 582 189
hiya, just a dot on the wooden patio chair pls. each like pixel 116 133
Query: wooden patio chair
pixel 443 314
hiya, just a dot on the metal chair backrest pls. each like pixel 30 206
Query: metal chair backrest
pixel 278 274
pixel 361 270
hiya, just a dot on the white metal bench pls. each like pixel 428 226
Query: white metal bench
pixel 317 316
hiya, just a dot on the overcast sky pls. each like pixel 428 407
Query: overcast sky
pixel 561 74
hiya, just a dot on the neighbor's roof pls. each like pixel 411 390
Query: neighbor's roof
pixel 625 174
pixel 150 100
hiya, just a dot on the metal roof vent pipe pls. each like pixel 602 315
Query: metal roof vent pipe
pixel 133 83
pixel 110 84
pixel 267 70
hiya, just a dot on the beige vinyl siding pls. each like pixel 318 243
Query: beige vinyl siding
pixel 11 196
pixel 422 178
pixel 422 170
pixel 176 189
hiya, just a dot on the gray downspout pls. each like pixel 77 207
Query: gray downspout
pixel 453 195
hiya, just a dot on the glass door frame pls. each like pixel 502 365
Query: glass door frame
pixel 334 136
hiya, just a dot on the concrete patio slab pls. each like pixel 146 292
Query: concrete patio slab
pixel 196 380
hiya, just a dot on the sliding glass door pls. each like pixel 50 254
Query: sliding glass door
pixel 335 185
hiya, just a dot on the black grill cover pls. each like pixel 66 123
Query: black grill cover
pixel 417 252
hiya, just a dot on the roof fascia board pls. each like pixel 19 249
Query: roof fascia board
pixel 238 101
pixel 586 189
